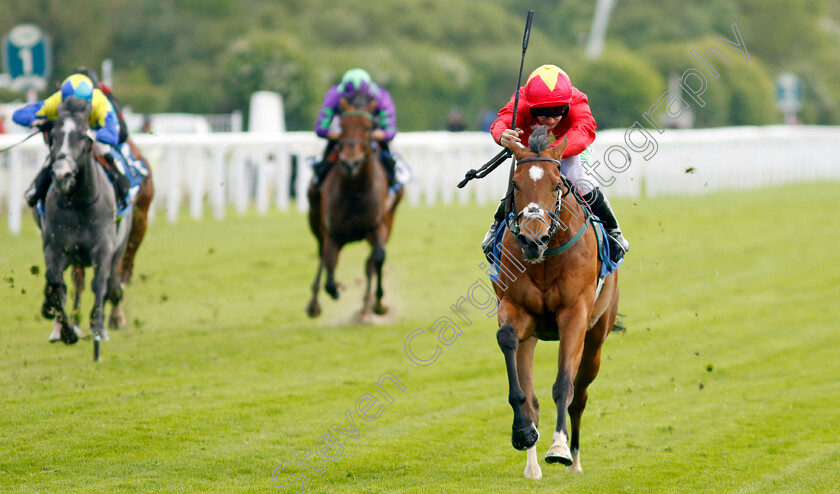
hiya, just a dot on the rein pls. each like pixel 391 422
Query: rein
pixel 554 214
pixel 513 219
pixel 30 136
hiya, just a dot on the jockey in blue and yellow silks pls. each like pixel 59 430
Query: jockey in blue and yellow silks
pixel 103 120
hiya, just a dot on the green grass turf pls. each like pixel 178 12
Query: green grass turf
pixel 727 380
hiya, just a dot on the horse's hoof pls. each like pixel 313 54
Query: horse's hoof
pixel 70 333
pixel 333 291
pixel 366 318
pixel 116 321
pixel 526 437
pixel 380 309
pixel 559 453
pixel 101 335
pixel 313 309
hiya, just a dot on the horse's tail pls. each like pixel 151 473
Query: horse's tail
pixel 619 324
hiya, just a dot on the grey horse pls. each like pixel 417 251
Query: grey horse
pixel 79 226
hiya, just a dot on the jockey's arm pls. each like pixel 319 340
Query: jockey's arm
pixel 103 119
pixel 37 112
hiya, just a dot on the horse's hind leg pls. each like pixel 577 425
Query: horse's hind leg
pixel 139 224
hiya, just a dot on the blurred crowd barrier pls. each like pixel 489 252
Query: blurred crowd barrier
pixel 210 173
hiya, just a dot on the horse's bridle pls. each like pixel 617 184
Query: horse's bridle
pixel 360 113
pixel 537 213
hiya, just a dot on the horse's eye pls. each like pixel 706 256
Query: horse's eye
pixel 515 186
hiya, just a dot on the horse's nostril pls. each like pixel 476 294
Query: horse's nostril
pixel 544 240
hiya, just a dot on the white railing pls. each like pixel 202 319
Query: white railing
pixel 255 170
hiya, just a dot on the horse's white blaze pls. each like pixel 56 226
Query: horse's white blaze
pixel 575 466
pixel 68 127
pixel 532 465
pixel 536 172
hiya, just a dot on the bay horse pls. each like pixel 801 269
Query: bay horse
pixel 353 204
pixel 79 226
pixel 547 279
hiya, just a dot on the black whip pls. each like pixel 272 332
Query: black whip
pixel 505 153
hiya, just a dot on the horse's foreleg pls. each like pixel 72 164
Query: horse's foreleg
pixel 590 363
pixel 313 308
pixel 55 294
pixel 515 326
pixel 374 266
pixel 79 286
pixel 329 260
pixel 572 332
pixel 102 262
pixel 525 373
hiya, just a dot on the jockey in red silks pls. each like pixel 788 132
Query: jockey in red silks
pixel 103 120
pixel 384 120
pixel 548 98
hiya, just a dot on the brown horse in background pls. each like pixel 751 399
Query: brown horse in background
pixel 548 275
pixel 139 224
pixel 353 204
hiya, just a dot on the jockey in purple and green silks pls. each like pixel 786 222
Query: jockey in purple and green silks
pixel 103 120
pixel 384 119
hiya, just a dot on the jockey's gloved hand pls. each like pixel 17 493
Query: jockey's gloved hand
pixel 39 123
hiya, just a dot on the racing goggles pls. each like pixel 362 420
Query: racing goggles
pixel 549 111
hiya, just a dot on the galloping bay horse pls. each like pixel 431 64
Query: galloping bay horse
pixel 78 227
pixel 353 204
pixel 548 274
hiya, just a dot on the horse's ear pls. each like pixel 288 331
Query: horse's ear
pixel 557 149
pixel 343 104
pixel 519 152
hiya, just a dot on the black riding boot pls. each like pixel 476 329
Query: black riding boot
pixel 487 243
pixel 121 183
pixel 40 186
pixel 601 207
pixel 320 170
pixel 390 166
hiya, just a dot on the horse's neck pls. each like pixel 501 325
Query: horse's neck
pixel 366 178
pixel 87 182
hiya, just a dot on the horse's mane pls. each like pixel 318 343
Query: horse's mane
pixel 75 106
pixel 539 140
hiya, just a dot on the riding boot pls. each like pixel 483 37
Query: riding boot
pixel 319 172
pixel 121 183
pixel 602 209
pixel 390 166
pixel 40 186
pixel 487 243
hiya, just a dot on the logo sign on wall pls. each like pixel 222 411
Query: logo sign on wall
pixel 27 58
